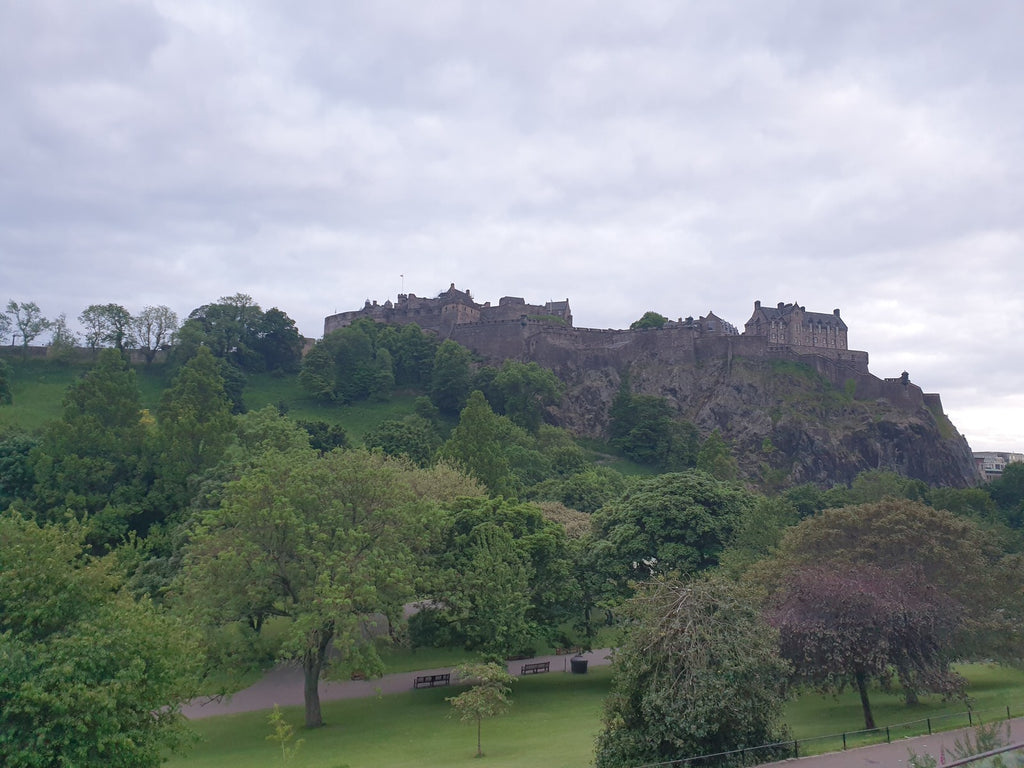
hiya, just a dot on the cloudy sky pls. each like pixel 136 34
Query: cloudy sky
pixel 671 156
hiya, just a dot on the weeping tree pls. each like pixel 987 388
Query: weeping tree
pixel 698 675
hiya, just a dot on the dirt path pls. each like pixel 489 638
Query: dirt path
pixel 283 686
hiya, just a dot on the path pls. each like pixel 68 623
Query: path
pixel 283 686
pixel 895 754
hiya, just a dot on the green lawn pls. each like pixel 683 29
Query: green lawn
pixel 553 722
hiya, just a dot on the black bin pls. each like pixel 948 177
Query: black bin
pixel 579 666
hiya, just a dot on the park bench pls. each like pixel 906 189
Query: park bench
pixel 535 668
pixel 432 681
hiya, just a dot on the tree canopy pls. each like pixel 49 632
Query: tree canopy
pixel 892 567
pixel 323 540
pixel 698 674
pixel 89 676
pixel 675 523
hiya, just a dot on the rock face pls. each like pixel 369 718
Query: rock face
pixel 789 421
pixel 791 414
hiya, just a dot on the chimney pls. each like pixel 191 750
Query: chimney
pixel 835 312
pixel 757 304
pixel 782 304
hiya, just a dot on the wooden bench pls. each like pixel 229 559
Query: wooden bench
pixel 536 668
pixel 432 681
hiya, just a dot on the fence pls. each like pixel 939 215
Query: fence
pixel 816 745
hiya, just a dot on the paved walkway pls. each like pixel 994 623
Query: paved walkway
pixel 895 754
pixel 283 686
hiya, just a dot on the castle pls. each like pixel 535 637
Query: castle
pixel 450 308
pixel 517 330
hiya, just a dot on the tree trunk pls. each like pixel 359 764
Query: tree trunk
pixel 862 688
pixel 312 665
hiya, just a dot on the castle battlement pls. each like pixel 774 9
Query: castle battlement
pixel 544 333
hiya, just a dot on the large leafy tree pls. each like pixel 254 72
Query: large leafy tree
pixel 1008 493
pixel 503 573
pixel 6 396
pixel 323 540
pixel 450 378
pixel 644 429
pixel 108 325
pixel 526 390
pixel 93 460
pixel 673 523
pixel 238 331
pixel 925 549
pixel 698 674
pixel 843 625
pixel 89 676
pixel 194 428
pixel 154 329
pixel 649 319
pixel 28 319
pixel 349 364
pixel 501 455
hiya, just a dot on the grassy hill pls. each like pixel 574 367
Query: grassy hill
pixel 38 387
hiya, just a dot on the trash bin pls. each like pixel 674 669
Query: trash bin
pixel 579 666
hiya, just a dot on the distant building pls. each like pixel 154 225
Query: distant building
pixel 992 463
pixel 793 325
pixel 449 309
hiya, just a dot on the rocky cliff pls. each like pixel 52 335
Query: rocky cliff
pixel 789 421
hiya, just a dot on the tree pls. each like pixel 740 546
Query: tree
pixel 413 437
pixel 715 457
pixel 926 549
pixel 643 428
pixel 195 426
pixel 107 325
pixel 29 321
pixel 698 674
pixel 5 326
pixel 503 573
pixel 278 341
pixel 16 476
pixel 154 329
pixel 62 340
pixel 648 320
pixel 488 695
pixel 1008 493
pixel 495 451
pixel 236 330
pixel 526 391
pixel 325 541
pixel 89 676
pixel 6 395
pixel 92 461
pixel 843 625
pixel 673 523
pixel 449 382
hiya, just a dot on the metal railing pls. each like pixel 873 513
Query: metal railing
pixel 816 745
